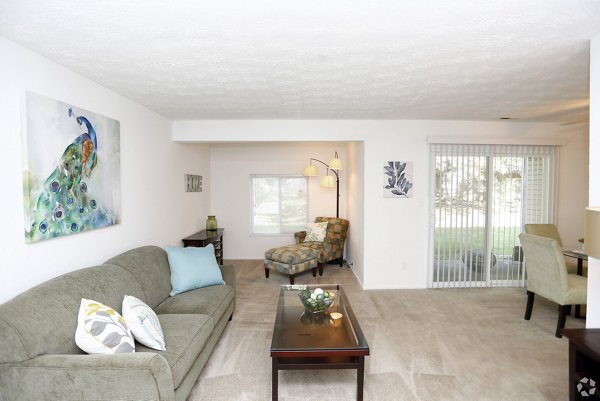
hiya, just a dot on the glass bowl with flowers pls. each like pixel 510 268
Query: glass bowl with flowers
pixel 317 301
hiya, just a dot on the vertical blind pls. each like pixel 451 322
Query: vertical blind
pixel 483 195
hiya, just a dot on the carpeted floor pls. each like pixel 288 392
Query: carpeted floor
pixel 426 345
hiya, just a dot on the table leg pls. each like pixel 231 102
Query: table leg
pixel 572 367
pixel 360 378
pixel 579 273
pixel 275 379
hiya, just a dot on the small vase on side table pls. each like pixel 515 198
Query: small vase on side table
pixel 211 223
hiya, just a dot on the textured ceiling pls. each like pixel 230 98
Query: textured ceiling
pixel 377 59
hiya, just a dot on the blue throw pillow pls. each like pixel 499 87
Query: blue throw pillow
pixel 193 268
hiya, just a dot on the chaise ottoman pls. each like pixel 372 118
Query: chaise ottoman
pixel 292 259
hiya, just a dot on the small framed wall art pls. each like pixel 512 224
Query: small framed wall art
pixel 193 183
pixel 397 179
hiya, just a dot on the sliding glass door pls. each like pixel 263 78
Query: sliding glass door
pixel 483 195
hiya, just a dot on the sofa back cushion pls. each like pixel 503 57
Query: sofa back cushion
pixel 43 319
pixel 150 266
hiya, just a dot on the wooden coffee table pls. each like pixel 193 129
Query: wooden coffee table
pixel 302 340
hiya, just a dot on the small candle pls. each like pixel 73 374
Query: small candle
pixel 335 319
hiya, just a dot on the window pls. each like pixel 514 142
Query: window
pixel 482 197
pixel 279 203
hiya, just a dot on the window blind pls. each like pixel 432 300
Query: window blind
pixel 483 195
pixel 279 203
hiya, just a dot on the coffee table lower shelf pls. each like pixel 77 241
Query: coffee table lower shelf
pixel 319 362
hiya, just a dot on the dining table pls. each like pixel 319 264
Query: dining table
pixel 580 256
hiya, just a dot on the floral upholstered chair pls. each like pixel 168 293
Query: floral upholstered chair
pixel 312 249
pixel 332 246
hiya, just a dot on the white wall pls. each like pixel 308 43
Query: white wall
pixel 396 231
pixel 154 207
pixel 231 166
pixel 355 203
pixel 572 184
pixel 593 310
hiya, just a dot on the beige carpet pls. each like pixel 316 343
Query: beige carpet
pixel 450 344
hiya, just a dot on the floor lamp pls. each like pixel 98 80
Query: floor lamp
pixel 326 181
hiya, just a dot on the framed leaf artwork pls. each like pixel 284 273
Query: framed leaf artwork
pixel 397 179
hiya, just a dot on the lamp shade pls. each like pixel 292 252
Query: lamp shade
pixel 591 233
pixel 335 164
pixel 310 171
pixel 327 181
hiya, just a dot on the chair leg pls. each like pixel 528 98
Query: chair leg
pixel 341 262
pixel 320 265
pixel 314 271
pixel 266 273
pixel 529 307
pixel 291 279
pixel 562 317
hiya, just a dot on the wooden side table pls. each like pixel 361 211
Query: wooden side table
pixel 584 362
pixel 580 256
pixel 203 238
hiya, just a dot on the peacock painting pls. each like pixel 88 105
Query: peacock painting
pixel 71 175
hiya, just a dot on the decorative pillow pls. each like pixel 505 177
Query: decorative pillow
pixel 193 267
pixel 101 330
pixel 143 323
pixel 316 231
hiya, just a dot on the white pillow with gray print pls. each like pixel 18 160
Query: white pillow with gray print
pixel 316 231
pixel 143 323
pixel 101 330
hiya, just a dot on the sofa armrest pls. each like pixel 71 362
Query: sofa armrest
pixel 228 273
pixel 300 236
pixel 135 376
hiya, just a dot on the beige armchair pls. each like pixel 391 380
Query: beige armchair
pixel 544 230
pixel 550 231
pixel 547 276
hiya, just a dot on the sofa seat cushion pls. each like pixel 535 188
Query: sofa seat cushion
pixel 212 301
pixel 185 337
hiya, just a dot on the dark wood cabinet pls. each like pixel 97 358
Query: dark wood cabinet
pixel 203 238
pixel 584 363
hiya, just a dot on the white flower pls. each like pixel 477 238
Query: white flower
pixel 313 296
pixel 318 291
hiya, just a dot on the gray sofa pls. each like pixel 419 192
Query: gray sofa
pixel 39 359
